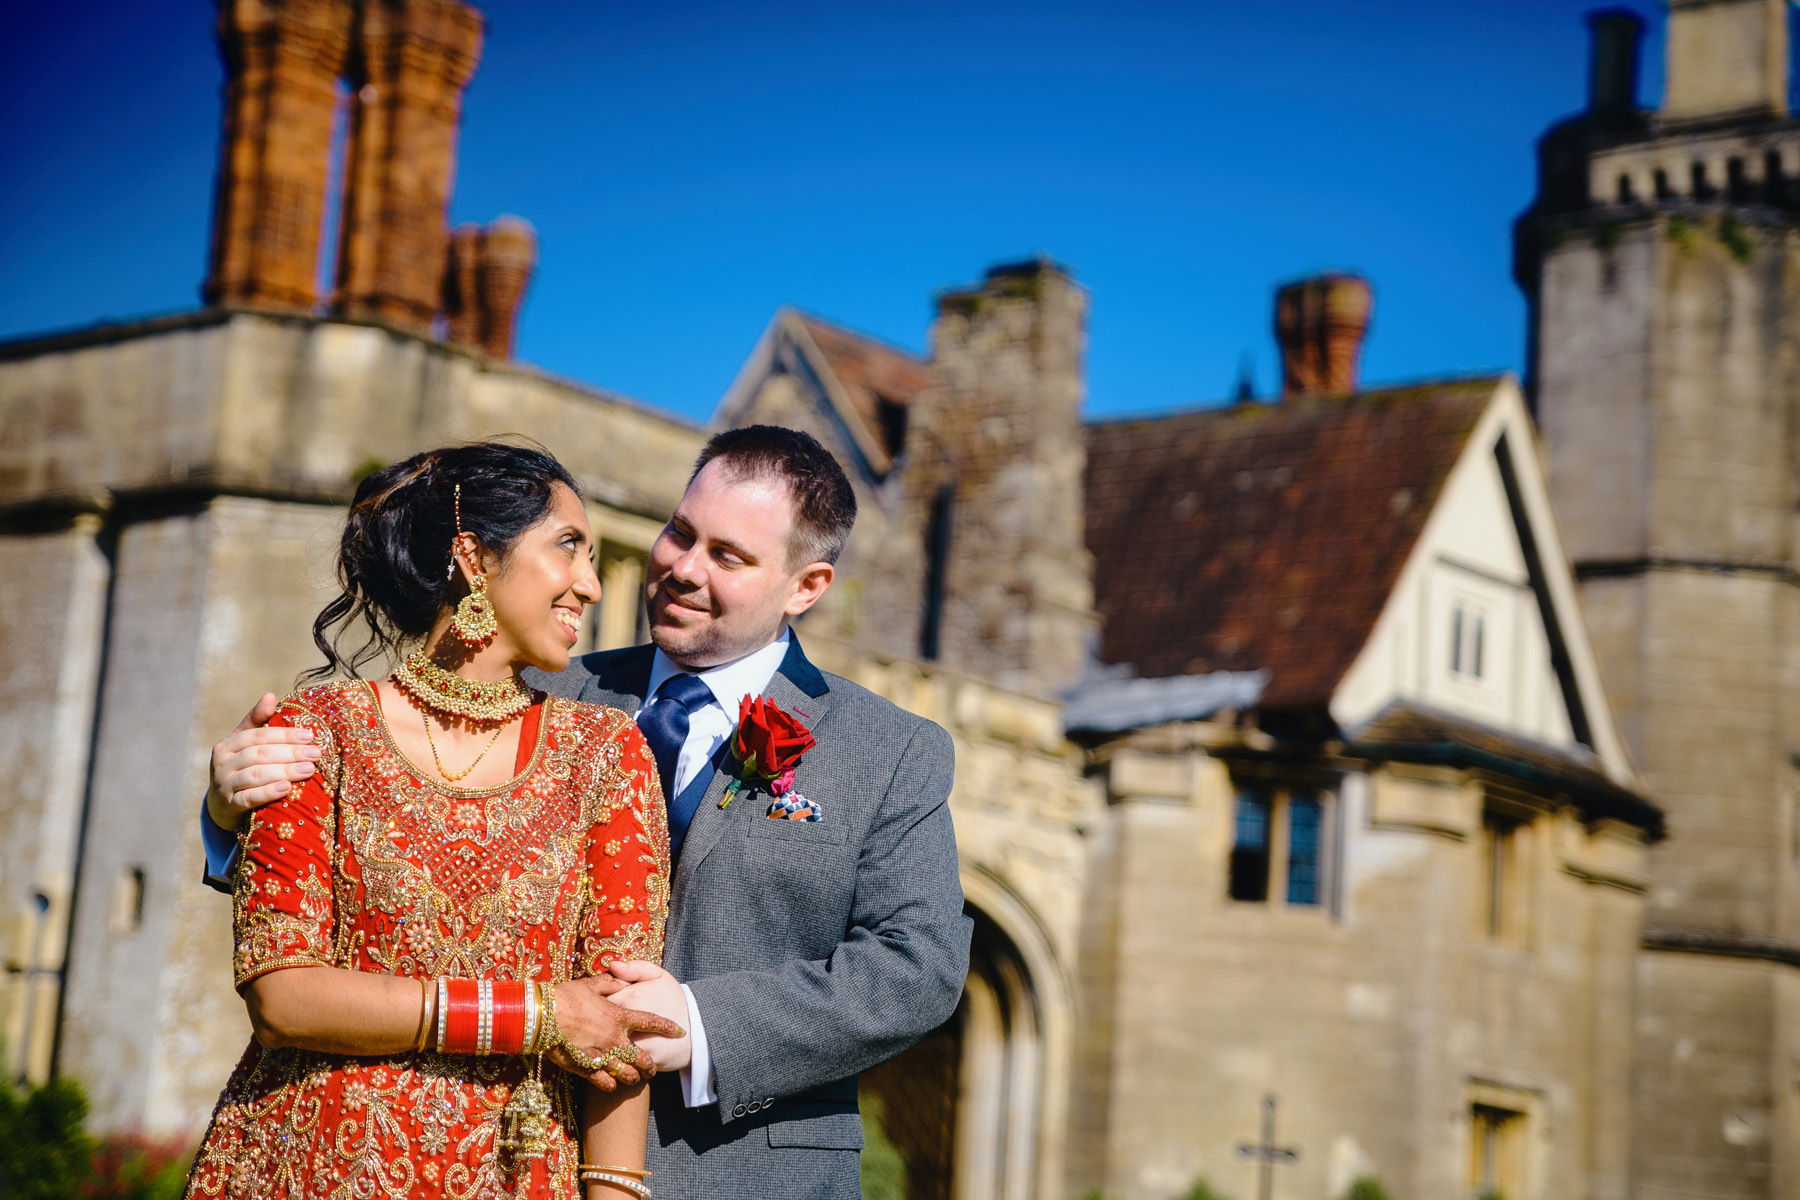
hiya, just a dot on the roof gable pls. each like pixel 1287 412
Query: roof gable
pixel 1266 537
pixel 1483 623
pixel 863 385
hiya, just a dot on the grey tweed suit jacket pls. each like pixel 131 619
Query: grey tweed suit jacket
pixel 814 949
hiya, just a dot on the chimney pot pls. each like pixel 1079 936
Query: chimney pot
pixel 489 268
pixel 508 253
pixel 1320 322
pixel 1618 35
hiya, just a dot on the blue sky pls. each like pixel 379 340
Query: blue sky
pixel 691 166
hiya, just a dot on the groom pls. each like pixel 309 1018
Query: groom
pixel 799 952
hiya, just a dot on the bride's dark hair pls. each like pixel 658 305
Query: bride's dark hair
pixel 393 562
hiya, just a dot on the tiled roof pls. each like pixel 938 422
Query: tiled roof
pixel 871 372
pixel 1415 733
pixel 1266 536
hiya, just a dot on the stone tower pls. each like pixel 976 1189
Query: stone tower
pixel 1661 262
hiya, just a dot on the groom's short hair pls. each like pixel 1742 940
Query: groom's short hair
pixel 824 502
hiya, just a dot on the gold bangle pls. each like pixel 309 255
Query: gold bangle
pixel 614 1170
pixel 623 1182
pixel 425 1014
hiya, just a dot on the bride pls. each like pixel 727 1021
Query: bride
pixel 407 922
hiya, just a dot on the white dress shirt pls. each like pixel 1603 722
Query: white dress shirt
pixel 708 727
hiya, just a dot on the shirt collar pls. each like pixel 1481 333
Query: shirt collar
pixel 731 682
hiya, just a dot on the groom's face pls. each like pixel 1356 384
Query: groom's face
pixel 721 581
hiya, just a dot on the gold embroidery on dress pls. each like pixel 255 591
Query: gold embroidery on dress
pixel 430 880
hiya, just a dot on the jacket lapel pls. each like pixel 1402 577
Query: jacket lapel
pixel 798 688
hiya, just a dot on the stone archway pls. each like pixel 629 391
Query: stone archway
pixel 965 1106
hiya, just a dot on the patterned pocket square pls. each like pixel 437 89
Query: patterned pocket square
pixel 793 807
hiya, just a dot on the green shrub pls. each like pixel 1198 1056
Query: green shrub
pixel 1366 1187
pixel 1202 1190
pixel 129 1167
pixel 44 1152
pixel 883 1166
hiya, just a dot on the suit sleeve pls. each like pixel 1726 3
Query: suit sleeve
pixel 896 975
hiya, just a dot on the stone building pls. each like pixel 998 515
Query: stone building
pixel 1365 838
pixel 1285 765
pixel 1661 259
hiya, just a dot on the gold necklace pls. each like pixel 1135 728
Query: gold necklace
pixel 432 687
pixel 444 771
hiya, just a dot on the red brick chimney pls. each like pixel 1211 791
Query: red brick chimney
pixel 282 62
pixel 414 57
pixel 1320 323
pixel 489 268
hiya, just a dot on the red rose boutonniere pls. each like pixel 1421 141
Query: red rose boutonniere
pixel 768 746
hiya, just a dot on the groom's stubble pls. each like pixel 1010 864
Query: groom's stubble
pixel 719 577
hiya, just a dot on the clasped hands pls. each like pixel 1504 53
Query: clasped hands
pixel 639 1004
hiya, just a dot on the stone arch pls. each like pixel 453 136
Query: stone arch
pixel 978 1108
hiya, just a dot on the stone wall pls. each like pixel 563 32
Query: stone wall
pixel 53 584
pixel 1378 1020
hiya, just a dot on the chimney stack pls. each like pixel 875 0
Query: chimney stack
pixel 1726 58
pixel 489 268
pixel 1618 35
pixel 282 61
pixel 414 57
pixel 1320 323
pixel 994 481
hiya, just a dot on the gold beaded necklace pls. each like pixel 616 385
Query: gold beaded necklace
pixel 476 700
pixel 456 777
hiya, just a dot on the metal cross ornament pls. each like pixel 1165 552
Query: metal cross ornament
pixel 1266 1154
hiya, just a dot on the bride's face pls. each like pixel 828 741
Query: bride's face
pixel 541 587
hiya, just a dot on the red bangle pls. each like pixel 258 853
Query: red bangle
pixel 509 1017
pixel 462 1024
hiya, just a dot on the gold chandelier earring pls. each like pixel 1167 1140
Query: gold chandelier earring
pixel 473 623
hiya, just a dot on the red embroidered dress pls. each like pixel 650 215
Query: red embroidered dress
pixel 372 867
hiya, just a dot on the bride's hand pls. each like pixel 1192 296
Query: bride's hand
pixel 595 1024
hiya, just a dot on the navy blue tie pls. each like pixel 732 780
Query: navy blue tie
pixel 665 723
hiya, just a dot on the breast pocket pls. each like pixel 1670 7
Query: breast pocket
pixel 801 877
pixel 823 832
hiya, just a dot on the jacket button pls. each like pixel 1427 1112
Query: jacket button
pixel 739 1111
pixel 770 1101
pixel 753 1106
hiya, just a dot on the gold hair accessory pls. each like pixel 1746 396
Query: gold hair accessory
pixel 477 700
pixel 473 624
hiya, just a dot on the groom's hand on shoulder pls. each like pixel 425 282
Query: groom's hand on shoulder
pixel 254 765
